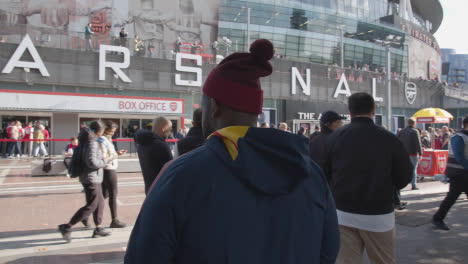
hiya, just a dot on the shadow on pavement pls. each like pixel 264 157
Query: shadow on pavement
pixel 114 257
pixel 418 242
pixel 37 232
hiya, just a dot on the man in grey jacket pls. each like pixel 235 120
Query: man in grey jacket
pixel 411 139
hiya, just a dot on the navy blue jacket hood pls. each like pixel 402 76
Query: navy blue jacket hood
pixel 270 161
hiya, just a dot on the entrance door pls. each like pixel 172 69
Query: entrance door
pixel 6 120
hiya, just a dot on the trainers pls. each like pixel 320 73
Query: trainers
pixel 99 232
pixel 65 230
pixel 414 188
pixel 439 224
pixel 399 207
pixel 117 224
pixel 85 223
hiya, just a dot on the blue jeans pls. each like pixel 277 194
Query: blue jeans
pixel 15 145
pixel 415 162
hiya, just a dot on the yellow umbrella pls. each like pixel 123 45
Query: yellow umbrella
pixel 432 112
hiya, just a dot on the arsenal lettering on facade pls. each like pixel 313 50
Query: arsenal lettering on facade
pixel 342 89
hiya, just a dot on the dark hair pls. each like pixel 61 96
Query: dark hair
pixel 73 138
pixel 96 126
pixel 465 122
pixel 361 104
pixel 197 116
pixel 109 125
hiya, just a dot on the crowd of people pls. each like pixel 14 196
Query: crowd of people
pixel 239 192
pixel 28 141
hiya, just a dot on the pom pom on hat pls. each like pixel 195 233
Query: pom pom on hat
pixel 235 81
pixel 262 49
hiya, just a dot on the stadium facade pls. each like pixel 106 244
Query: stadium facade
pixel 325 50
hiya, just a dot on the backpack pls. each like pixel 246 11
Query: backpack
pixel 76 165
pixel 47 165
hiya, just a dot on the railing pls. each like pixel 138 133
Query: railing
pixel 73 40
pixel 456 93
pixel 51 143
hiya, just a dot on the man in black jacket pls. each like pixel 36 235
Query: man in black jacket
pixel 194 138
pixel 330 121
pixel 364 164
pixel 153 151
pixel 411 139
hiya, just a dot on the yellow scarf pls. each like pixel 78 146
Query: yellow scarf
pixel 230 136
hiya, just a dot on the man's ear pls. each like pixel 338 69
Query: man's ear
pixel 215 108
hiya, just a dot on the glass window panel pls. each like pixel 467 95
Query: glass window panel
pixel 130 127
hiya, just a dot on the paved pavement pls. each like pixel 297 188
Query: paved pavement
pixel 32 208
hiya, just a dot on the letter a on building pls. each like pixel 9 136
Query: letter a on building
pixel 15 60
pixel 339 89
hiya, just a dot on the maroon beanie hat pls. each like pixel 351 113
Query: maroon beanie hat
pixel 235 81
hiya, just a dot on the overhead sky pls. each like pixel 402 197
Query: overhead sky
pixel 452 33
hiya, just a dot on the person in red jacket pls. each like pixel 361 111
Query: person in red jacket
pixel 28 135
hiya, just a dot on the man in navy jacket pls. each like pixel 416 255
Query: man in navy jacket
pixel 457 171
pixel 249 195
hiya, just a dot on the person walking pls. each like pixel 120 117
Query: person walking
pixel 445 138
pixel 88 36
pixel 329 122
pixel 177 45
pixel 91 178
pixel 411 139
pixel 153 151
pixel 69 149
pixel 249 195
pixel 362 179
pixel 15 145
pixel 457 171
pixel 109 183
pixel 40 135
pixel 425 140
pixel 214 51
pixel 194 138
pixel 123 37
pixel 28 135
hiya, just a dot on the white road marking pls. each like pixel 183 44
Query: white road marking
pixel 37 189
pixel 14 167
pixel 133 196
pixel 132 204
pixel 49 182
pixel 5 172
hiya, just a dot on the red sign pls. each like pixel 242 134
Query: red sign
pixel 437 119
pixel 433 162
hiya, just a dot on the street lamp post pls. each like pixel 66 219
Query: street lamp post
pixel 342 47
pixel 247 44
pixel 388 87
pixel 387 43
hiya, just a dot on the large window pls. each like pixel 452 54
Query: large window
pixel 130 127
pixel 308 33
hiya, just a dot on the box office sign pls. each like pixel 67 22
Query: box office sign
pixel 70 102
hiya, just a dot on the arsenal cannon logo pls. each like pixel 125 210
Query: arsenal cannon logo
pixel 411 91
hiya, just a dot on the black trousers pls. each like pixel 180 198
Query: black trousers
pixel 396 196
pixel 94 205
pixel 67 161
pixel 458 185
pixel 109 190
